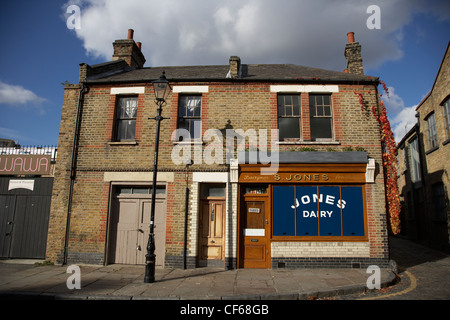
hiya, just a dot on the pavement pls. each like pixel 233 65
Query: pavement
pixel 25 280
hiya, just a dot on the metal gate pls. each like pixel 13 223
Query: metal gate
pixel 24 215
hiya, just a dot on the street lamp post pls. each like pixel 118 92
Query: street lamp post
pixel 162 90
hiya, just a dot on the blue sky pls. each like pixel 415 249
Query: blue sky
pixel 39 52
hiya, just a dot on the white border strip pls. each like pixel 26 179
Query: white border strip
pixel 128 90
pixel 210 176
pixel 305 88
pixel 254 232
pixel 190 89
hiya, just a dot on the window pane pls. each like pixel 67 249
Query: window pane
pixel 288 110
pixel 319 111
pixel 283 211
pixel 288 100
pixel 289 127
pixel 446 110
pixel 329 211
pixel 432 135
pixel 321 128
pixel 126 130
pixel 307 220
pixel 189 113
pixel 352 211
pixel 128 107
pixel 212 190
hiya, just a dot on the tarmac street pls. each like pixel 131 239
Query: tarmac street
pixel 423 273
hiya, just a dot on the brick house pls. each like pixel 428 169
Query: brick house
pixel 225 196
pixel 423 155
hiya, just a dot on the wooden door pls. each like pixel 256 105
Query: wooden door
pixel 255 231
pixel 130 230
pixel 211 231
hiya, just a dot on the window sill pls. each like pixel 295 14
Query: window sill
pixel 446 141
pixel 189 142
pixel 331 142
pixel 122 143
pixel 431 150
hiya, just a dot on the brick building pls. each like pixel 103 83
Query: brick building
pixel 226 196
pixel 423 155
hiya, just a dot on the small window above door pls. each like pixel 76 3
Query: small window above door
pixel 212 190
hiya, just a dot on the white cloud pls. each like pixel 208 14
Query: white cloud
pixel 403 122
pixel 402 118
pixel 198 32
pixel 12 94
pixel 15 95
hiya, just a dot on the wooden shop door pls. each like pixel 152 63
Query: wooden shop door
pixel 255 234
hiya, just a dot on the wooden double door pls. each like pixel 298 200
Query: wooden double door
pixel 129 227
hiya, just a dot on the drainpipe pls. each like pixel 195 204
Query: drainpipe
pixel 186 211
pixel 84 89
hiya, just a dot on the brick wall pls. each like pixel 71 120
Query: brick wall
pixel 227 105
pixel 423 221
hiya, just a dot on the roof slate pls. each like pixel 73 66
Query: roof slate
pixel 249 72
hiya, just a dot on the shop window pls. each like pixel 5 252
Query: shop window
pixel 289 117
pixel 321 119
pixel 126 112
pixel 189 115
pixel 318 211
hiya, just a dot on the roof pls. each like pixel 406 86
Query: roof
pixel 248 72
pixel 435 79
pixel 248 157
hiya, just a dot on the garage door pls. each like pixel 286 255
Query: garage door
pixel 130 220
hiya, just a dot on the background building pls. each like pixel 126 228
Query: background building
pixel 26 180
pixel 321 203
pixel 424 166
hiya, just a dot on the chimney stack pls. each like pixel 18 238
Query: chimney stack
pixel 353 55
pixel 235 64
pixel 129 51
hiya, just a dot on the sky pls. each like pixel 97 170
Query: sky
pixel 403 43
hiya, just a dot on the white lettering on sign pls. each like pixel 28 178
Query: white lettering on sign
pixel 21 184
pixel 328 200
pixel 313 214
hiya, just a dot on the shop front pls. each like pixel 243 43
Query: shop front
pixel 307 212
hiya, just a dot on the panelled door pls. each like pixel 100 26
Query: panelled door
pixel 255 234
pixel 212 230
pixel 24 216
pixel 130 220
pixel 23 226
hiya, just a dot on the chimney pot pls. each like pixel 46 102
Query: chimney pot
pixel 130 34
pixel 346 70
pixel 139 45
pixel 351 37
